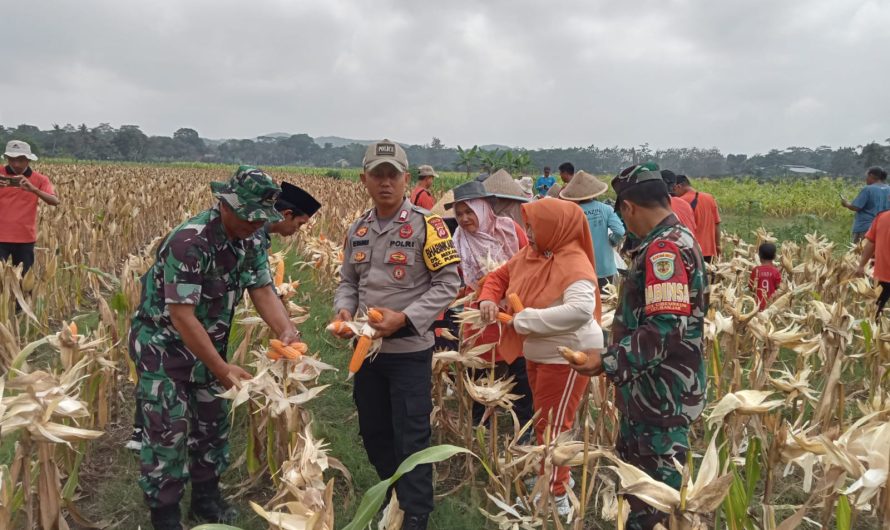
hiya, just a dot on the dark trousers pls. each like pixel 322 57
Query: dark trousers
pixel 19 253
pixel 883 298
pixel 394 402
pixel 523 406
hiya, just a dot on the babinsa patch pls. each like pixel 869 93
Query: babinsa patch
pixel 438 251
pixel 667 284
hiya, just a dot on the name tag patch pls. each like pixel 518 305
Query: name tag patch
pixel 402 244
pixel 360 242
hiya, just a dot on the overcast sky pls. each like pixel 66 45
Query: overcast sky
pixel 741 75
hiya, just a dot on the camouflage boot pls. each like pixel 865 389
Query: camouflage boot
pixel 166 518
pixel 209 506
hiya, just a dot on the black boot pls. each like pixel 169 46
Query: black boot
pixel 208 505
pixel 415 522
pixel 166 518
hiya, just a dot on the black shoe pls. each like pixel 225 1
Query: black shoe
pixel 166 518
pixel 208 505
pixel 415 522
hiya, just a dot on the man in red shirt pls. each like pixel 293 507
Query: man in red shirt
pixel 707 217
pixel 20 189
pixel 877 245
pixel 765 278
pixel 421 195
pixel 680 207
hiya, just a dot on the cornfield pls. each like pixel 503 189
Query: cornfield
pixel 796 433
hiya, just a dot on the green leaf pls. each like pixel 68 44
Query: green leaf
pixel 752 467
pixel 376 496
pixel 844 514
pixel 74 477
pixel 119 302
pixel 867 333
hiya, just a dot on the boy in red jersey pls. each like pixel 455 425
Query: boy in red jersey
pixel 765 278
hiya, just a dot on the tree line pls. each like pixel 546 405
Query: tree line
pixel 129 143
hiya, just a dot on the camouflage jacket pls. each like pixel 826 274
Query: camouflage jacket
pixel 197 265
pixel 656 354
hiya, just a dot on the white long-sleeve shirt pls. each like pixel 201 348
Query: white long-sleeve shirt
pixel 567 322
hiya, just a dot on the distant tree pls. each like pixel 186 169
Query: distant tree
pixel 467 158
pixel 188 145
pixel 436 143
pixel 130 142
pixel 874 154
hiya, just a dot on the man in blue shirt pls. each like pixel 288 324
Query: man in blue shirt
pixel 872 200
pixel 606 229
pixel 544 182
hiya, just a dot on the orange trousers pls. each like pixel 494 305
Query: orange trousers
pixel 556 392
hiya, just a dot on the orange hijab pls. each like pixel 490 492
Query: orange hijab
pixel 564 256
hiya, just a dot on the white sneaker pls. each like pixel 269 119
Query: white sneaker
pixel 135 442
pixel 563 505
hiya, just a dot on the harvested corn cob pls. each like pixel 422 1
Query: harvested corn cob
pixel 574 357
pixel 290 352
pixel 362 347
pixel 339 328
pixel 515 302
pixel 279 273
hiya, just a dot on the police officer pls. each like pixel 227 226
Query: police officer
pixel 178 341
pixel 655 358
pixel 401 260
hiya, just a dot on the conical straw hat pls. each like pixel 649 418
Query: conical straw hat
pixel 583 187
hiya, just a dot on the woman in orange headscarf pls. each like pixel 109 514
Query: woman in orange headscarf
pixel 555 278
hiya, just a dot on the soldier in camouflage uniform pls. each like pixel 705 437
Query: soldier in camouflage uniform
pixel 656 354
pixel 178 342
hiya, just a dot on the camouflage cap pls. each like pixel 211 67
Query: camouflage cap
pixel 634 175
pixel 251 193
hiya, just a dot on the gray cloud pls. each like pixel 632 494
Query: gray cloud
pixel 744 76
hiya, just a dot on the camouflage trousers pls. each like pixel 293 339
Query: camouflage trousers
pixel 652 449
pixel 185 435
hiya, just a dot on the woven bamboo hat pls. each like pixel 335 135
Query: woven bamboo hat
pixel 501 184
pixel 439 207
pixel 583 187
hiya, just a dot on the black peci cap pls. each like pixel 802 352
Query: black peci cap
pixel 296 198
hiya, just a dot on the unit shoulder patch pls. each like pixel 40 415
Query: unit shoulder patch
pixel 667 283
pixel 438 250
